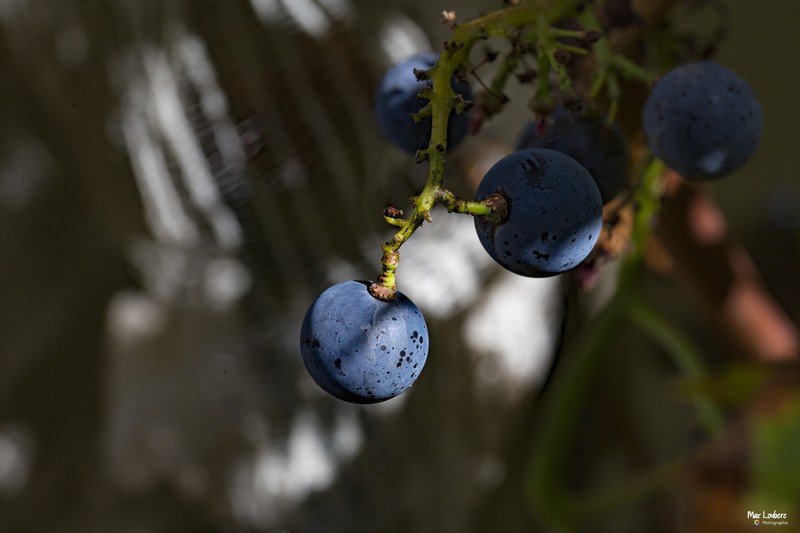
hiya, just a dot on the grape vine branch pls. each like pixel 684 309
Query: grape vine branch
pixel 442 100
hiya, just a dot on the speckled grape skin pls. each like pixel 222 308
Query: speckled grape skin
pixel 555 213
pixel 702 120
pixel 361 349
pixel 601 149
pixel 397 97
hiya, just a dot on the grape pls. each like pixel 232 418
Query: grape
pixel 702 120
pixel 397 97
pixel 601 149
pixel 554 213
pixel 361 349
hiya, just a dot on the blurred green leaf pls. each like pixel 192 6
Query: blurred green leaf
pixel 731 387
pixel 775 463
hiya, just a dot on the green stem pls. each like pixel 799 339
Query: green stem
pixel 494 207
pixel 684 354
pixel 569 391
pixel 542 102
pixel 648 203
pixel 547 48
pixel 614 95
pixel 598 82
pixel 394 221
pixel 631 70
pixel 573 49
pixel 562 414
pixel 609 65
pixel 500 78
pixel 561 32
pixel 586 508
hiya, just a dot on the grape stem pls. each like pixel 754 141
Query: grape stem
pixel 547 48
pixel 494 207
pixel 584 358
pixel 443 100
pixel 609 66
pixel 562 408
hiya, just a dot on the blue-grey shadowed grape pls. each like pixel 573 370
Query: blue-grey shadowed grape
pixel 397 97
pixel 554 213
pixel 600 148
pixel 361 349
pixel 702 120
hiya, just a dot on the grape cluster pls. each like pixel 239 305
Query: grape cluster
pixel 398 98
pixel 362 349
pixel 703 120
pixel 602 149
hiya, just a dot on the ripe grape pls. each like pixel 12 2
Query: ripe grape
pixel 600 148
pixel 702 120
pixel 398 97
pixel 554 213
pixel 361 349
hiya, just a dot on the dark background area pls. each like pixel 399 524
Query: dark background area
pixel 179 180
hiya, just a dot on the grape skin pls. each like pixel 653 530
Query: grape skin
pixel 555 213
pixel 361 349
pixel 702 120
pixel 601 149
pixel 398 96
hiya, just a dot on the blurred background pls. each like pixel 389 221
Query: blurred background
pixel 180 179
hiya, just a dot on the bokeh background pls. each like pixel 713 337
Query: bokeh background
pixel 179 179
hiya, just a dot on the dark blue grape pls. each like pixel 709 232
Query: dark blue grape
pixel 397 97
pixel 554 213
pixel 361 349
pixel 601 149
pixel 702 120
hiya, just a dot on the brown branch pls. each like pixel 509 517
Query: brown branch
pixel 694 232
